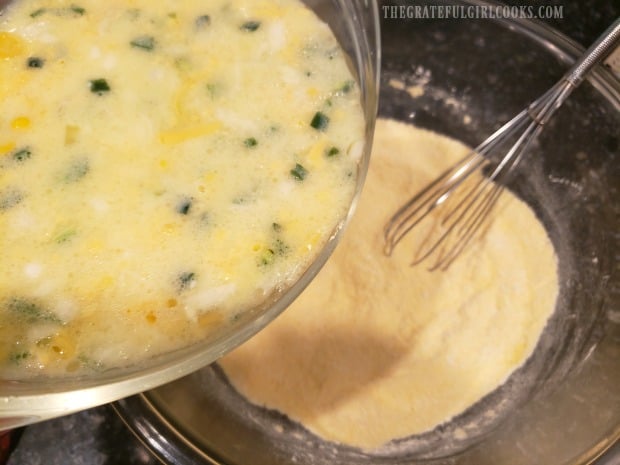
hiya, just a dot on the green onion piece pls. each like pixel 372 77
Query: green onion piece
pixel 186 280
pixel 76 170
pixel 333 151
pixel 250 142
pixel 299 172
pixel 202 21
pixel 21 154
pixel 18 357
pixel 38 12
pixel 78 10
pixel 99 86
pixel 143 42
pixel 31 311
pixel 184 206
pixel 347 87
pixel 281 247
pixel 250 26
pixel 35 62
pixel 10 198
pixel 320 121
pixel 266 257
pixel 65 236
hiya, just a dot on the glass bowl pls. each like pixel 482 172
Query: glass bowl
pixel 355 24
pixel 563 405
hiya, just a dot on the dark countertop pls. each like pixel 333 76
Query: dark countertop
pixel 98 436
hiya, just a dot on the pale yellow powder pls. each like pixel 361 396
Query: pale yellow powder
pixel 374 349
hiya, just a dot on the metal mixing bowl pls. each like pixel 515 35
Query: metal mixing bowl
pixel 563 405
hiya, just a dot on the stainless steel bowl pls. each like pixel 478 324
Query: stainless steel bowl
pixel 563 405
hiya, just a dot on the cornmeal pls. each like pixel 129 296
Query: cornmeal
pixel 164 166
pixel 374 349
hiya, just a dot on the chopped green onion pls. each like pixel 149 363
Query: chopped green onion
pixel 77 170
pixel 320 121
pixel 21 154
pixel 31 311
pixel 332 151
pixel 35 62
pixel 143 42
pixel 186 280
pixel 347 87
pixel 10 198
pixel 184 206
pixel 38 12
pixel 65 236
pixel 99 86
pixel 78 10
pixel 281 247
pixel 250 142
pixel 202 21
pixel 266 257
pixel 299 172
pixel 250 26
pixel 18 357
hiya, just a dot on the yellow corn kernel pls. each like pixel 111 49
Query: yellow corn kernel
pixel 63 347
pixel 21 122
pixel 5 149
pixel 268 10
pixel 317 152
pixel 163 164
pixel 312 92
pixel 71 134
pixel 176 136
pixel 11 45
pixel 170 228
pixel 105 282
pixel 210 176
pixel 209 319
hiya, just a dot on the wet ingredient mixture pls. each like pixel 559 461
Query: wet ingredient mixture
pixel 164 166
pixel 374 349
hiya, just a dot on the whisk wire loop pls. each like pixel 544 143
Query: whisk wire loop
pixel 457 204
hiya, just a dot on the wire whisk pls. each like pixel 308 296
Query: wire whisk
pixel 455 206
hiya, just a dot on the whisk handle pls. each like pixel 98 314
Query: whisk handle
pixel 594 54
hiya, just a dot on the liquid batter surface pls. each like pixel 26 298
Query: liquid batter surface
pixel 374 349
pixel 164 166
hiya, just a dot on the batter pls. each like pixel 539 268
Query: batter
pixel 150 189
pixel 374 349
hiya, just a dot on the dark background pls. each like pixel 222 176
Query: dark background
pixel 98 437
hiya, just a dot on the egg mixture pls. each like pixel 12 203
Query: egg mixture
pixel 164 166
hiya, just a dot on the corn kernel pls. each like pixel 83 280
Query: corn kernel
pixel 177 136
pixel 11 45
pixel 71 134
pixel 312 92
pixel 6 149
pixel 21 122
pixel 210 319
pixel 169 228
pixel 62 347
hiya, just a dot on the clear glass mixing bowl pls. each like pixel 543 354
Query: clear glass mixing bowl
pixel 563 405
pixel 355 24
